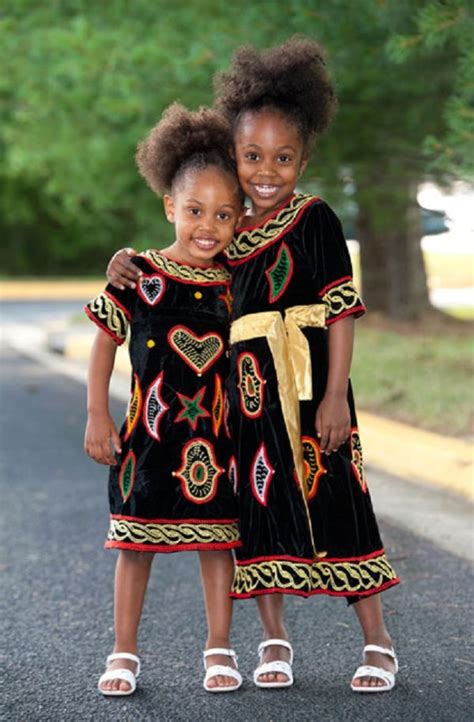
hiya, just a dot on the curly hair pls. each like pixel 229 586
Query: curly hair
pixel 291 78
pixel 184 140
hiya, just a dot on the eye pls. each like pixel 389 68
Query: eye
pixel 194 211
pixel 223 216
pixel 284 158
pixel 251 156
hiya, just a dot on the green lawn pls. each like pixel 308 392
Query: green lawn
pixel 421 379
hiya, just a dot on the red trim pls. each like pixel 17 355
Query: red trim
pixel 103 327
pixel 184 465
pixel 335 283
pixel 155 386
pixel 261 388
pixel 173 521
pixel 320 471
pixel 303 560
pixel 358 310
pixel 257 251
pixel 199 339
pixel 163 548
pixel 288 279
pixel 141 292
pixel 261 450
pixel 313 592
pixel 118 304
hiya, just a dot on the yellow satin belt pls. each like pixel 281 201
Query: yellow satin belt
pixel 292 359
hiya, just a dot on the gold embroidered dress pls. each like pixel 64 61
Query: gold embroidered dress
pixel 170 490
pixel 306 519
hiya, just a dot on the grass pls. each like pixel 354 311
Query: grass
pixel 418 377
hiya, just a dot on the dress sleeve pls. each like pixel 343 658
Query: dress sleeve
pixel 332 267
pixel 111 311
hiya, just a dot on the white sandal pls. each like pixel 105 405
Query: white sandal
pixel 276 667
pixel 367 670
pixel 221 669
pixel 123 674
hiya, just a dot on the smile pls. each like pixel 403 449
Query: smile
pixel 265 190
pixel 205 244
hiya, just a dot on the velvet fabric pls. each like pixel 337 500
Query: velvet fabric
pixel 311 532
pixel 170 489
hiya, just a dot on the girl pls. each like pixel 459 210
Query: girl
pixel 306 519
pixel 169 488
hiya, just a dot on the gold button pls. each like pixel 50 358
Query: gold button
pixel 198 295
pixel 150 343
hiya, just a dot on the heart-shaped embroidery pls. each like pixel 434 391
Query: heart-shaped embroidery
pixel 199 352
pixel 151 288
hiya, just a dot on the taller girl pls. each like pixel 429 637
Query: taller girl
pixel 307 523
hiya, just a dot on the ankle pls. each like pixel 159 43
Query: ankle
pixel 217 642
pixel 380 638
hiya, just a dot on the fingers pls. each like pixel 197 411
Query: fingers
pixel 121 272
pixel 116 441
pixel 101 452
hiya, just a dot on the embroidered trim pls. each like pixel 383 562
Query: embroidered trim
pixel 312 465
pixel 192 410
pixel 199 352
pixel 261 473
pixel 214 275
pixel 342 299
pixel 126 479
pixel 169 533
pixel 217 405
pixel 199 471
pixel 233 476
pixel 134 408
pixel 357 461
pixel 151 288
pixel 154 407
pixel 357 576
pixel 280 273
pixel 107 313
pixel 254 240
pixel 251 385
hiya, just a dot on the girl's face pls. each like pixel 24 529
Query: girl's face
pixel 205 208
pixel 270 156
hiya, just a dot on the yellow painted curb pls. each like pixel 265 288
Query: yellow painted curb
pixel 78 346
pixel 418 455
pixel 33 290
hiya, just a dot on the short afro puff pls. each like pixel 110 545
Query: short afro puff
pixel 184 139
pixel 291 77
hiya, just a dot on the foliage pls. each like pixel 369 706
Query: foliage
pixel 83 82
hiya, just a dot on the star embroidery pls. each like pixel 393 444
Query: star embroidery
pixel 192 410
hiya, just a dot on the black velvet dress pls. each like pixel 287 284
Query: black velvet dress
pixel 170 490
pixel 307 523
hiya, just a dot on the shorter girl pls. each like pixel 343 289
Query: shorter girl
pixel 169 488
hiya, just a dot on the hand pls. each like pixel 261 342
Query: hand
pixel 121 272
pixel 333 422
pixel 101 438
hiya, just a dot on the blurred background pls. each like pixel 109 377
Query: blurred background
pixel 83 82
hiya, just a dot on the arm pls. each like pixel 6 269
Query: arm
pixel 121 272
pixel 100 428
pixel 333 422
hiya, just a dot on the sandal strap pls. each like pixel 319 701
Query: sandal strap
pixel 223 670
pixel 388 651
pixel 366 670
pixel 220 650
pixel 126 675
pixel 273 643
pixel 124 655
pixel 277 667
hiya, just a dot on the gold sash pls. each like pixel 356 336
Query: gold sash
pixel 292 359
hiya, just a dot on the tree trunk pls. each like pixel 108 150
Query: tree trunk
pixel 389 231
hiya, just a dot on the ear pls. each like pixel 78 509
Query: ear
pixel 169 207
pixel 303 164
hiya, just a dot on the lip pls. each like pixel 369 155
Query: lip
pixel 265 190
pixel 205 243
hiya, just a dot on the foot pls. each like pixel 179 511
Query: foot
pixel 274 653
pixel 379 660
pixel 220 660
pixel 116 684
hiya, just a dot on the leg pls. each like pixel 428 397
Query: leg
pixel 271 611
pixel 217 572
pixel 131 578
pixel 370 615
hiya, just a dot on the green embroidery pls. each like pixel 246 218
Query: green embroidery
pixel 280 273
pixel 192 410
pixel 127 475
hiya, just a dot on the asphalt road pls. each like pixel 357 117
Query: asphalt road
pixel 57 600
